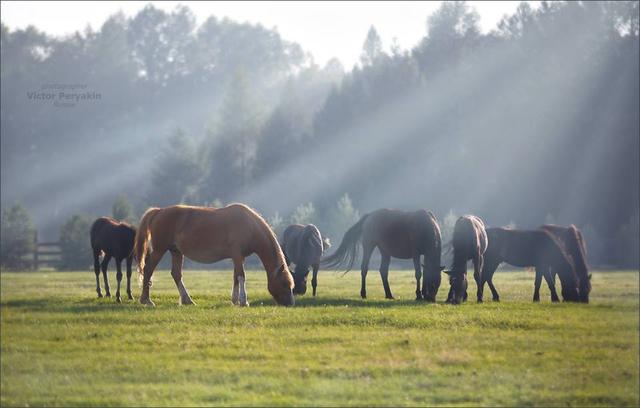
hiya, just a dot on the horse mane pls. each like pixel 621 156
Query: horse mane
pixel 564 254
pixel 576 247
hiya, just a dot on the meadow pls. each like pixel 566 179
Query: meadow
pixel 62 346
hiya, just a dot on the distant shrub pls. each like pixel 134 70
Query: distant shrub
pixel 75 243
pixel 304 214
pixel 16 237
pixel 122 210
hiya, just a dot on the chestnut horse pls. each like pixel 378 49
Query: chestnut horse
pixel 526 248
pixel 401 234
pixel 576 248
pixel 112 239
pixel 469 243
pixel 207 235
pixel 303 245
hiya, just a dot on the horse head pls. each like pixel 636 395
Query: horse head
pixel 458 282
pixel 281 286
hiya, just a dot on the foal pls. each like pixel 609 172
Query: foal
pixel 112 239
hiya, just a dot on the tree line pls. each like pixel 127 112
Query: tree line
pixel 533 121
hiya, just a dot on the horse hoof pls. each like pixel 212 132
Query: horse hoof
pixel 99 295
pixel 130 297
pixel 245 304
pixel 496 299
pixel 118 299
pixel 187 302
pixel 389 297
pixel 147 302
pixel 555 300
pixel 108 294
pixel 480 301
pixel 536 300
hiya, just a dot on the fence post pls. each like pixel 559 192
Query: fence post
pixel 35 251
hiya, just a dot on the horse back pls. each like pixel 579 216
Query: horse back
pixel 402 234
pixel 525 248
pixel 303 243
pixel 469 237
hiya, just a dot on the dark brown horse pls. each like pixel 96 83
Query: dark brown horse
pixel 303 245
pixel 530 248
pixel 469 243
pixel 575 246
pixel 112 239
pixel 208 235
pixel 404 235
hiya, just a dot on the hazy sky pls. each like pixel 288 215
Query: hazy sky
pixel 326 29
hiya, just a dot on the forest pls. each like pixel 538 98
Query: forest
pixel 536 121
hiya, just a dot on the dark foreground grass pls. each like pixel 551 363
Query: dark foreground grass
pixel 62 346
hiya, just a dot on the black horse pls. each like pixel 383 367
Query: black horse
pixel 576 247
pixel 530 248
pixel 469 243
pixel 401 234
pixel 112 239
pixel 303 245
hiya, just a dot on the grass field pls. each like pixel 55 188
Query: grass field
pixel 63 346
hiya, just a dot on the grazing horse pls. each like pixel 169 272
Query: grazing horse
pixel 469 243
pixel 112 239
pixel 526 248
pixel 207 235
pixel 404 235
pixel 303 245
pixel 576 248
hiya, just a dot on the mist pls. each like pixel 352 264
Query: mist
pixel 533 122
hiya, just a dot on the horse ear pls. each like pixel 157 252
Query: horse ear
pixel 442 267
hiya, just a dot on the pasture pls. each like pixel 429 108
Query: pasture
pixel 63 346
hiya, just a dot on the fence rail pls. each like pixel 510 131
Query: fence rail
pixel 46 254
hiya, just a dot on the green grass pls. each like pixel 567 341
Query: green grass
pixel 63 346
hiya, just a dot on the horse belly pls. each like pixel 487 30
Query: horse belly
pixel 203 255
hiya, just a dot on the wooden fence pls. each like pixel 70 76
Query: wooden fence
pixel 46 254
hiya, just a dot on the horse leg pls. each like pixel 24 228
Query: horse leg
pixel 118 278
pixel 488 270
pixel 129 262
pixel 478 264
pixel 239 294
pixel 418 269
pixel 105 264
pixel 364 268
pixel 314 278
pixel 176 272
pixel 550 277
pixel 494 292
pixel 235 291
pixel 536 284
pixel 384 274
pixel 152 261
pixel 96 267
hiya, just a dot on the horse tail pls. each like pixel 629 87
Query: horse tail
pixel 348 249
pixel 143 236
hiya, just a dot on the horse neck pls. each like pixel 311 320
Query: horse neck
pixel 566 268
pixel 269 252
